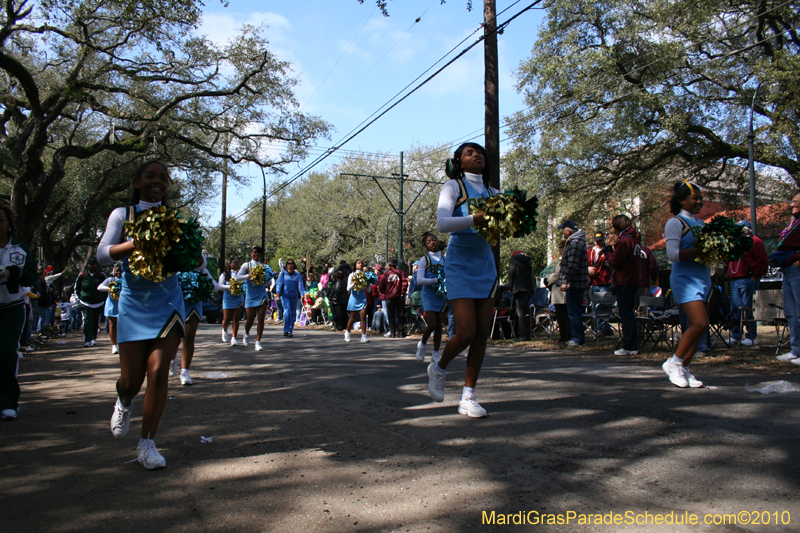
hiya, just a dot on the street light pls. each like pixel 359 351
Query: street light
pixel 751 163
pixel 263 212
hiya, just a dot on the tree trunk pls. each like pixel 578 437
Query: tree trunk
pixel 491 102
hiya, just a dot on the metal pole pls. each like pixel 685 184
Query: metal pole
pixel 386 257
pixel 224 216
pixel 400 215
pixel 751 164
pixel 264 215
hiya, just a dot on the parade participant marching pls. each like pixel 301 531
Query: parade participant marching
pixel 289 289
pixel 357 303
pixel 17 272
pixel 471 274
pixel 112 304
pixel 90 300
pixel 231 305
pixel 690 281
pixel 427 277
pixel 255 303
pixel 150 321
pixel 193 313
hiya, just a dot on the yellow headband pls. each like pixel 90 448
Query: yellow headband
pixel 691 189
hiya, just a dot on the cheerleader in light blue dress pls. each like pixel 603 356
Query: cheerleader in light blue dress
pixel 232 306
pixel 689 280
pixel 427 277
pixel 357 304
pixel 471 273
pixel 150 322
pixel 112 306
pixel 256 300
pixel 193 314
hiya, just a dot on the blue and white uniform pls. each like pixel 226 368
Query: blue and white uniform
pixel 256 294
pixel 358 299
pixel 195 310
pixel 112 305
pixel 228 300
pixel 290 289
pixel 427 277
pixel 147 310
pixel 690 281
pixel 471 271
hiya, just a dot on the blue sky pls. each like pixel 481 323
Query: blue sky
pixel 378 56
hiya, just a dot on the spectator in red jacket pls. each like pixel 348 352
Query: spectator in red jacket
pixel 626 260
pixel 745 274
pixel 599 275
pixel 392 287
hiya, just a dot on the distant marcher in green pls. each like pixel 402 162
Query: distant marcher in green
pixel 91 300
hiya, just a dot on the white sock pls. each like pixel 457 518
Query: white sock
pixel 143 442
pixel 468 392
pixel 676 360
pixel 119 402
pixel 184 370
pixel 422 343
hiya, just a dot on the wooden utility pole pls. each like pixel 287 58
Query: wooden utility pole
pixel 491 102
pixel 224 216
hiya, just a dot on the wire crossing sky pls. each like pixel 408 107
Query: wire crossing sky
pixel 351 60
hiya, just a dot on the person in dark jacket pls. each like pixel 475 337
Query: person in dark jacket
pixel 337 295
pixel 392 287
pixel 745 274
pixel 626 260
pixel 574 279
pixel 91 300
pixel 520 277
pixel 41 312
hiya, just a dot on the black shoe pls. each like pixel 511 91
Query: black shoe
pixel 286 334
pixel 290 335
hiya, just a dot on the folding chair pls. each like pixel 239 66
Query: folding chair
pixel 507 317
pixel 717 318
pixel 415 321
pixel 658 327
pixel 768 310
pixel 604 307
pixel 541 316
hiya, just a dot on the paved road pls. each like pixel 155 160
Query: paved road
pixel 318 435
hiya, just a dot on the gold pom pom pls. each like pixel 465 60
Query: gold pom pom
pixel 360 281
pixel 257 273
pixel 235 287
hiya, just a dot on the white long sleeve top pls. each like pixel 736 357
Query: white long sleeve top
pixel 448 197
pixel 419 275
pixel 672 234
pixel 113 233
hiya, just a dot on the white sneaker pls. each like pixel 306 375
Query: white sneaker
pixel 387 334
pixel 29 348
pixel 435 356
pixel 436 379
pixel 346 336
pixel 786 357
pixel 19 355
pixel 173 367
pixel 149 456
pixel 246 340
pixel 9 414
pixel 732 342
pixel 623 351
pixel 693 381
pixel 795 361
pixel 471 408
pixel 186 379
pixel 121 419
pixel 225 337
pixel 87 344
pixel 364 338
pixel 749 342
pixel 94 342
pixel 258 346
pixel 114 349
pixel 234 342
pixel 420 351
pixel 676 373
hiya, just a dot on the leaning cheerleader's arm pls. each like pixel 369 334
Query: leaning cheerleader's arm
pixel 244 272
pixel 445 221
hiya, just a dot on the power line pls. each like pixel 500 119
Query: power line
pixel 355 132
